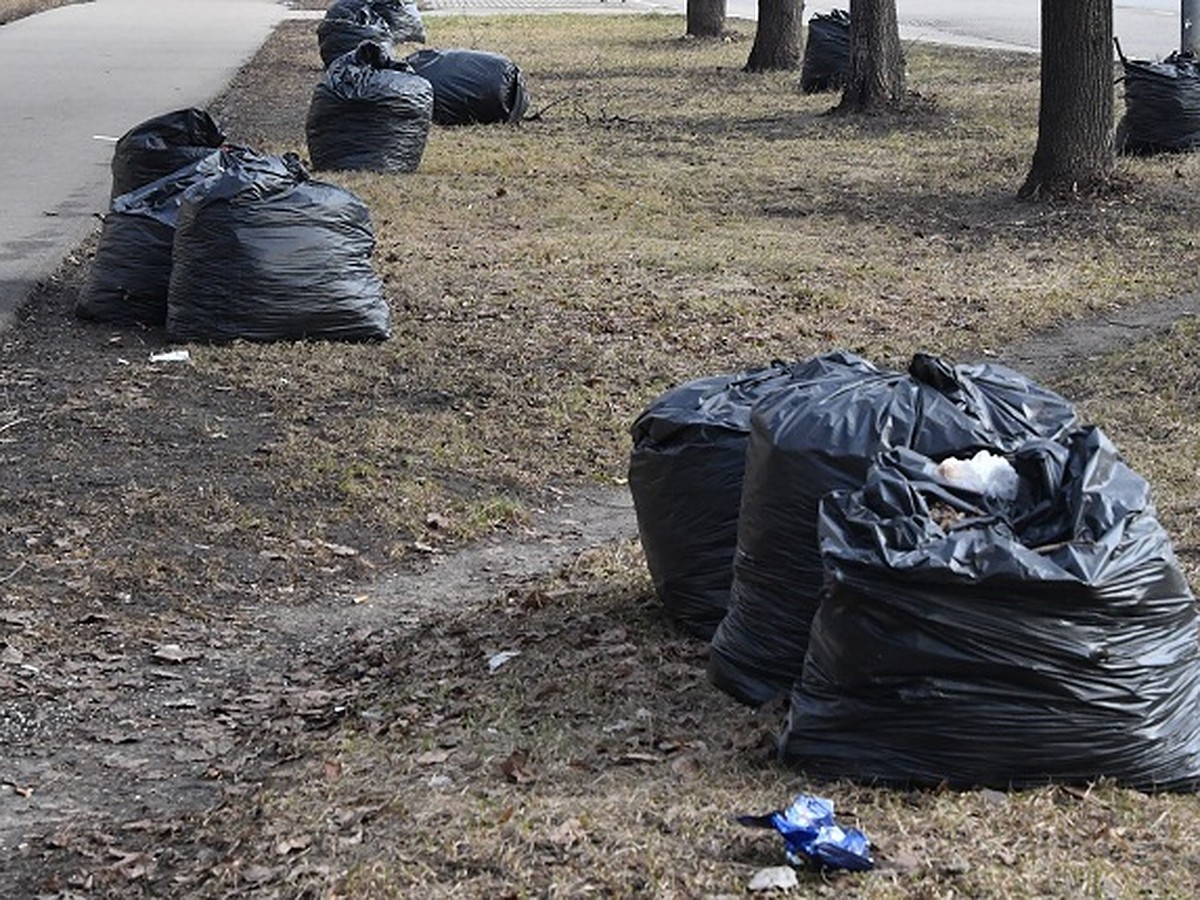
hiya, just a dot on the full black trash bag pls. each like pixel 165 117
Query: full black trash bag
pixel 403 19
pixel 970 642
pixel 337 36
pixel 162 145
pixel 826 53
pixel 262 253
pixel 369 111
pixel 685 475
pixel 1162 106
pixel 129 277
pixel 811 438
pixel 472 87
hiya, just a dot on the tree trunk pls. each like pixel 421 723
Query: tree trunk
pixel 876 78
pixel 705 18
pixel 777 39
pixel 1074 146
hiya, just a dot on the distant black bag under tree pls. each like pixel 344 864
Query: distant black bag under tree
pixel 129 277
pixel 160 146
pixel 685 475
pixel 337 36
pixel 262 253
pixel 1162 106
pixel 822 435
pixel 1006 643
pixel 826 53
pixel 472 87
pixel 369 111
pixel 403 18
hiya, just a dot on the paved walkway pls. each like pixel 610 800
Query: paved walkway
pixel 78 73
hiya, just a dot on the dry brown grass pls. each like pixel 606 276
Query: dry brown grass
pixel 670 216
pixel 667 217
pixel 1145 396
pixel 599 762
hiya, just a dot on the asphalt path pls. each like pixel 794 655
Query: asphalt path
pixel 1147 28
pixel 76 77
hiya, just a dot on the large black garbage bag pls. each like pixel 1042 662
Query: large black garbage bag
pixel 160 146
pixel 685 475
pixel 369 111
pixel 970 642
pixel 472 87
pixel 826 53
pixel 1162 105
pixel 129 277
pixel 337 36
pixel 263 253
pixel 403 18
pixel 815 437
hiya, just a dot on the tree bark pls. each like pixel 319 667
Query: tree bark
pixel 876 79
pixel 778 37
pixel 1075 116
pixel 705 18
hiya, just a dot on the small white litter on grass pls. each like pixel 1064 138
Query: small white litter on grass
pixel 170 356
pixel 496 660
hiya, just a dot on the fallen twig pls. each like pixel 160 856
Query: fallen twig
pixel 14 572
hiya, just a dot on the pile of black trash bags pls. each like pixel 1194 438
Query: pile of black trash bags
pixel 348 23
pixel 947 576
pixel 219 242
pixel 1162 106
pixel 372 110
pixel 826 62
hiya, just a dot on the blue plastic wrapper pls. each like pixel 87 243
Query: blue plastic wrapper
pixel 813 836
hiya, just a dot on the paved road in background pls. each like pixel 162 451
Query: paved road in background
pixel 91 69
pixel 1146 28
pixel 77 74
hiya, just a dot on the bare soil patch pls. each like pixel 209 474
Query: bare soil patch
pixel 251 605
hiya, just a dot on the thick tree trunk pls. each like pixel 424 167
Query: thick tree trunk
pixel 1074 146
pixel 705 18
pixel 876 78
pixel 778 37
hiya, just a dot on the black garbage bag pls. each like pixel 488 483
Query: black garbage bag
pixel 369 111
pixel 337 36
pixel 978 642
pixel 403 19
pixel 1162 106
pixel 263 253
pixel 129 277
pixel 162 145
pixel 472 87
pixel 811 438
pixel 826 53
pixel 685 475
